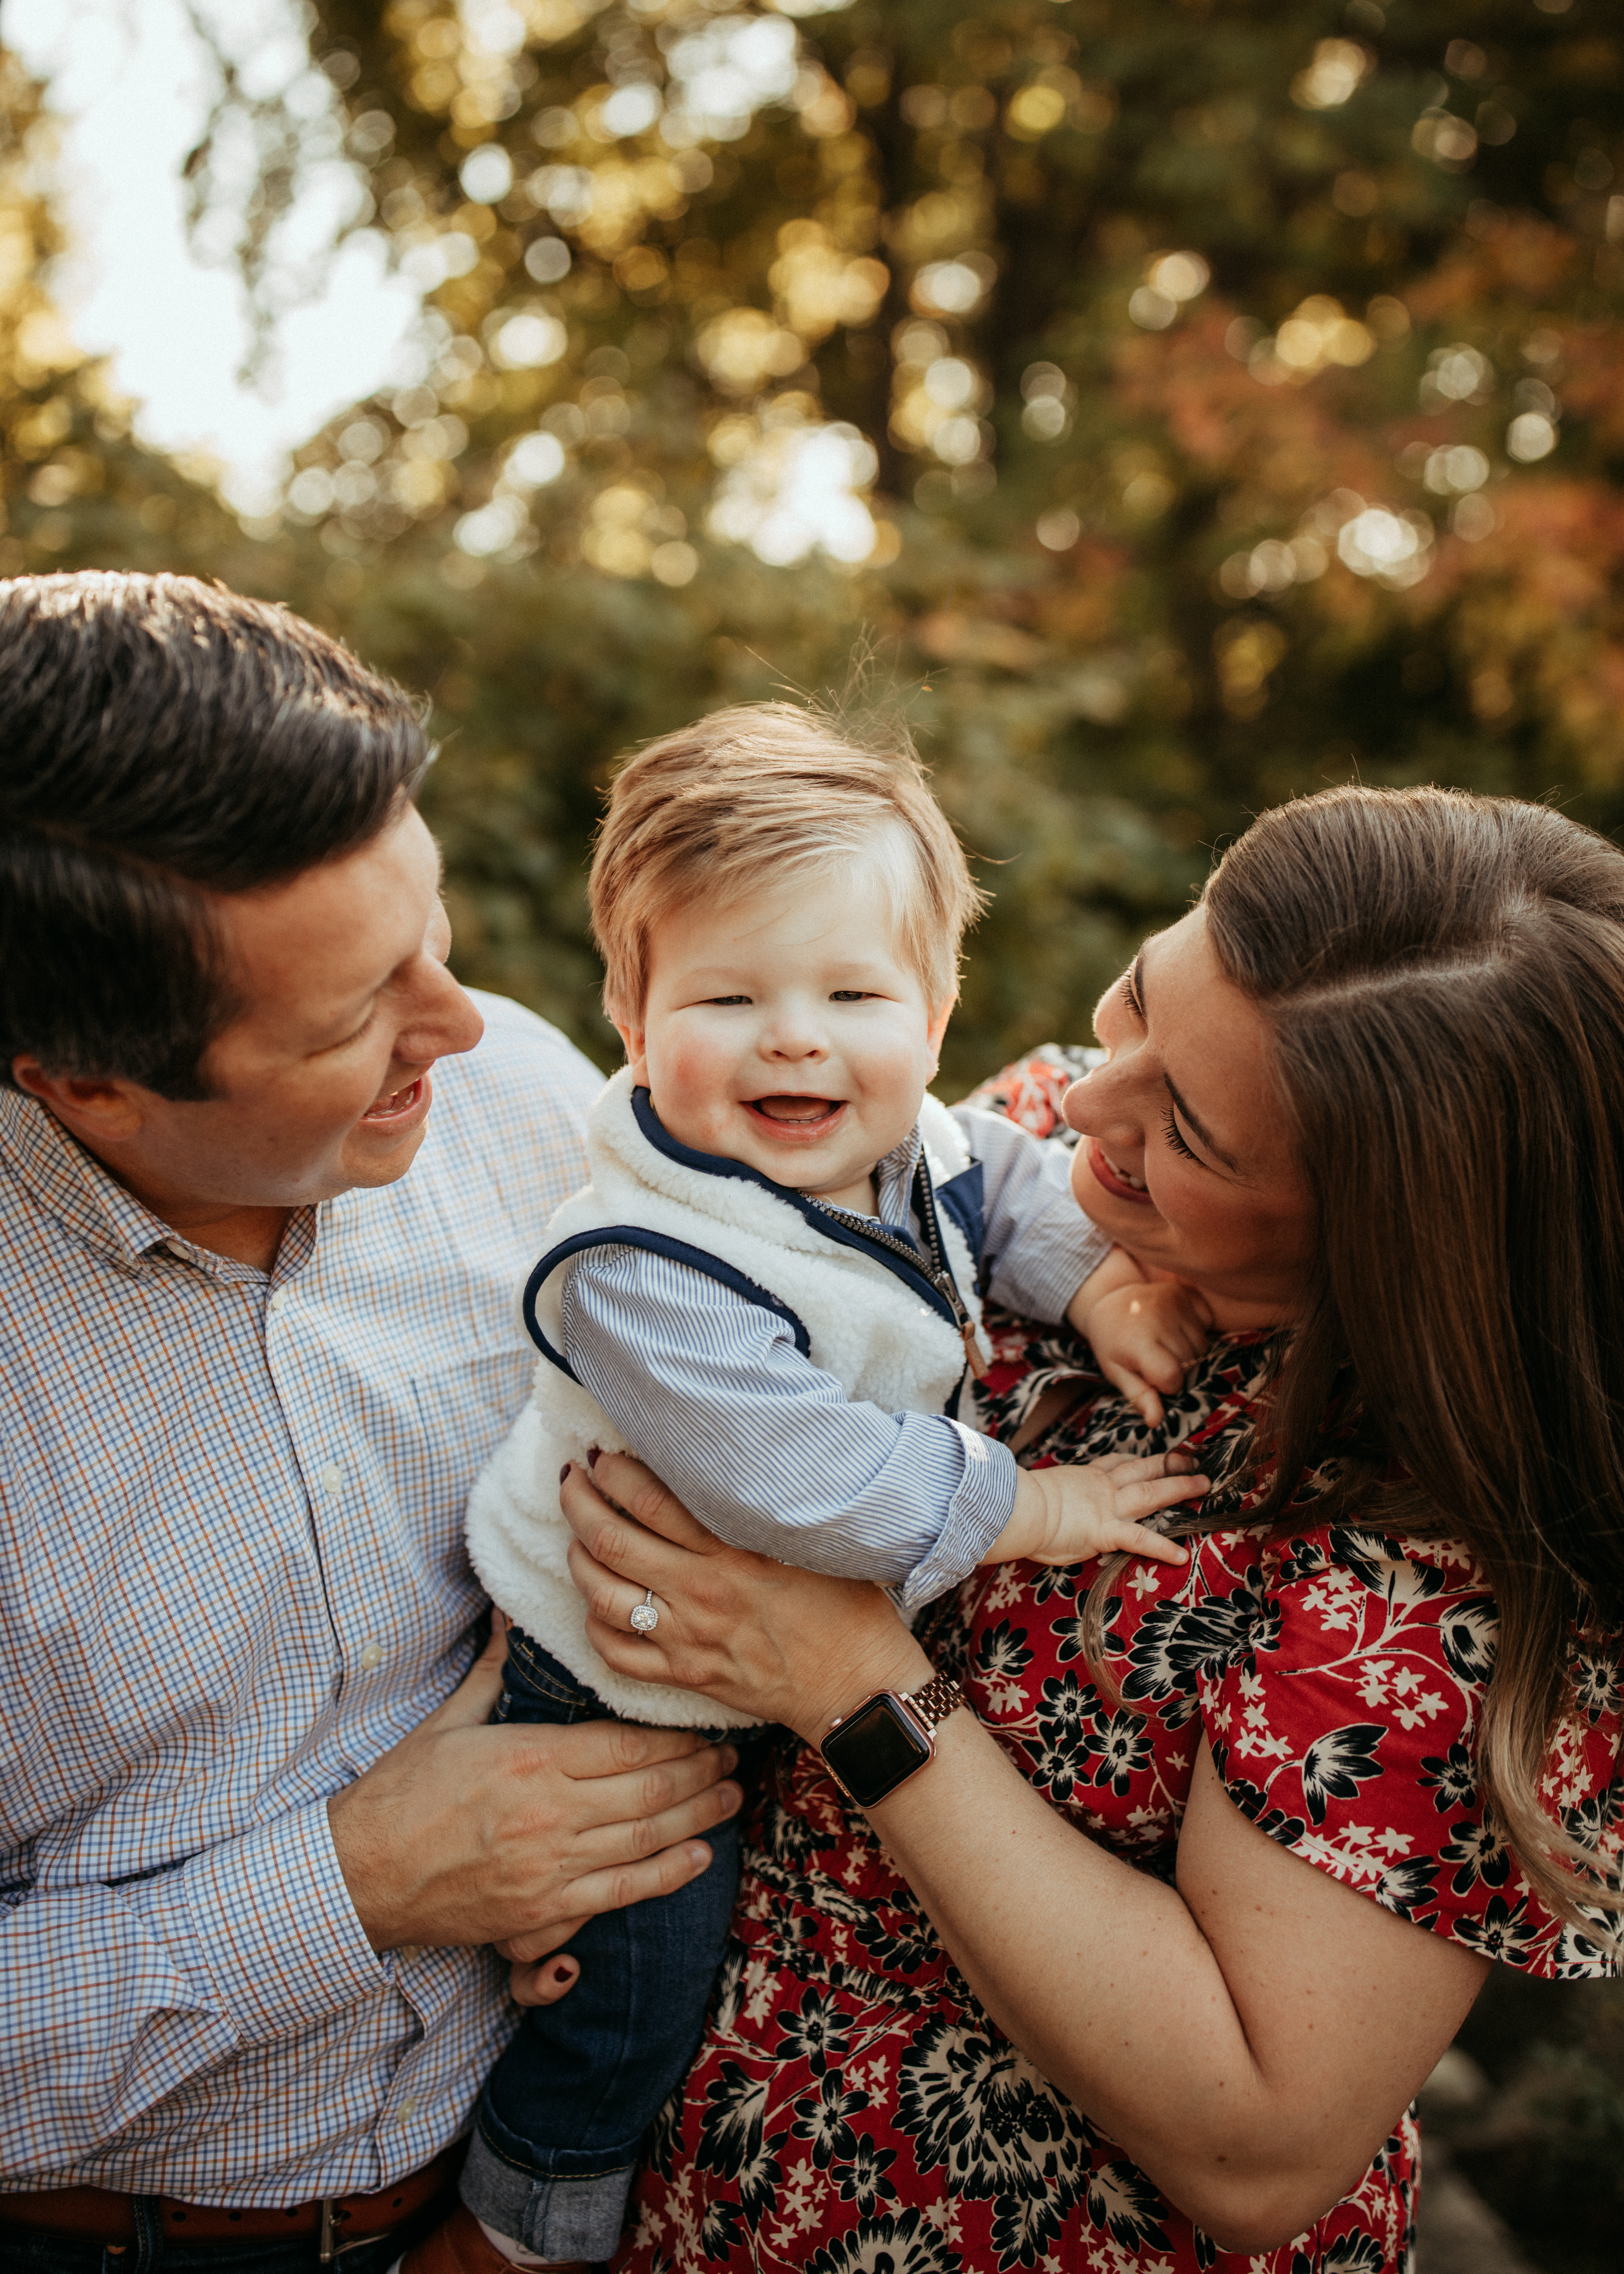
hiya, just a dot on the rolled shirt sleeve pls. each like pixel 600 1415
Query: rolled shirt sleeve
pixel 1038 1245
pixel 766 1448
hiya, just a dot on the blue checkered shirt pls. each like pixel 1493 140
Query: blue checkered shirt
pixel 232 1574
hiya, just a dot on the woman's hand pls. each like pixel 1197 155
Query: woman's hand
pixel 762 1637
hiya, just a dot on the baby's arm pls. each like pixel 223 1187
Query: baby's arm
pixel 1047 1261
pixel 1143 1332
pixel 709 1389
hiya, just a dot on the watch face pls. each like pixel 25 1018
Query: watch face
pixel 876 1750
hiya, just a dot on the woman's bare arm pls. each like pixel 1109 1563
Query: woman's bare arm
pixel 1250 2039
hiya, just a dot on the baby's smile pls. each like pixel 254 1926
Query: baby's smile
pixel 808 1117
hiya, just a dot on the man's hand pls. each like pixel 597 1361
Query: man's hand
pixel 466 1833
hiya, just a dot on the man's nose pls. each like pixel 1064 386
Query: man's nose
pixel 448 1024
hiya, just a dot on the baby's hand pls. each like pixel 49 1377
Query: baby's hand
pixel 1143 1332
pixel 543 1981
pixel 1068 1515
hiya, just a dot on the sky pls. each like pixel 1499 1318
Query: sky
pixel 131 86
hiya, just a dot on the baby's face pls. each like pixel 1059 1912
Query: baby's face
pixel 784 1032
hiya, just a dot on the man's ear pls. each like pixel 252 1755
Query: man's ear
pixel 634 1038
pixel 102 1110
pixel 936 1029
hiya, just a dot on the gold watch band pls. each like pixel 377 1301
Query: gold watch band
pixel 940 1697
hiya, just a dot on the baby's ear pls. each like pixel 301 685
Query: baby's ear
pixel 936 1029
pixel 634 1037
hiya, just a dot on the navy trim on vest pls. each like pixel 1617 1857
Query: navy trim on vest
pixel 963 1199
pixel 655 1243
pixel 716 1165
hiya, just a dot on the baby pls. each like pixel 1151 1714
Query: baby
pixel 770 1292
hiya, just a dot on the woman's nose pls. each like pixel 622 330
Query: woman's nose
pixel 1074 1105
pixel 1100 1103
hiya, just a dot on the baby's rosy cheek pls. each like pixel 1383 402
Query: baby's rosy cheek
pixel 698 1065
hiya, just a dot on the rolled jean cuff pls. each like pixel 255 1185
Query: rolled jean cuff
pixel 556 2218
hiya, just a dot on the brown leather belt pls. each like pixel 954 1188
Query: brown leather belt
pixel 99 2215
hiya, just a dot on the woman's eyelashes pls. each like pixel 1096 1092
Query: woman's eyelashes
pixel 1175 1138
pixel 1131 997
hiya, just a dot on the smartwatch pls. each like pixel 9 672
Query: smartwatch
pixel 887 1739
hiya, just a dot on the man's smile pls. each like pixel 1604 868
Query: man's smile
pixel 396 1106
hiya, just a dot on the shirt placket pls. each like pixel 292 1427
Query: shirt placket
pixel 343 1504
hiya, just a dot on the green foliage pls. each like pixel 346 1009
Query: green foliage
pixel 1187 644
pixel 1134 308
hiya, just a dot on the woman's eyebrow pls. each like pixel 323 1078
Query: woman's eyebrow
pixel 1194 1119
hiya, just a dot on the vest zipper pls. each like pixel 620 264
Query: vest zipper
pixel 936 1272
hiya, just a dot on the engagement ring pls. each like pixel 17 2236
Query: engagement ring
pixel 645 1618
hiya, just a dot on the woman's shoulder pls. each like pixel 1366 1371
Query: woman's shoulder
pixel 1342 1692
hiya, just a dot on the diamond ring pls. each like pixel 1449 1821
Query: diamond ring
pixel 645 1618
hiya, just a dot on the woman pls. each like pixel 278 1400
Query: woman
pixel 1368 1099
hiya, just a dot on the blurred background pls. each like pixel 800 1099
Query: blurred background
pixel 1179 403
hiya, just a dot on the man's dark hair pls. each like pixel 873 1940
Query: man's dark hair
pixel 161 740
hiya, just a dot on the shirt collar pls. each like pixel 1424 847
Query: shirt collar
pixel 95 1210
pixel 893 1178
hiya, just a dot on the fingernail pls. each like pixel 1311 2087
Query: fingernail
pixel 733 1798
pixel 565 1470
pixel 699 1855
pixel 591 1458
pixel 730 1757
pixel 560 1973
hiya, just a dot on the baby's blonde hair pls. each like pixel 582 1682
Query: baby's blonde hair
pixel 755 796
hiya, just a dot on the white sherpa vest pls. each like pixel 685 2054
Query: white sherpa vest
pixel 864 1324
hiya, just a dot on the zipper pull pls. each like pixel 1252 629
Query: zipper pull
pixel 974 1360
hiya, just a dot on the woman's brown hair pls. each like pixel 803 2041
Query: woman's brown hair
pixel 1444 978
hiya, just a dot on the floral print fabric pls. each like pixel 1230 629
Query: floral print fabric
pixel 853 2111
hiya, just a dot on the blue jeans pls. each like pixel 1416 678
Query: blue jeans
pixel 562 2118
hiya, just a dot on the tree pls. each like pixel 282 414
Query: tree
pixel 1219 398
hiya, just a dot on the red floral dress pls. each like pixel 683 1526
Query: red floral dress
pixel 852 2110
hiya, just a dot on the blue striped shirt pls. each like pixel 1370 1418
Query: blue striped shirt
pixel 710 1390
pixel 232 1574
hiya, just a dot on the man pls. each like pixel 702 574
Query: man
pixel 258 1255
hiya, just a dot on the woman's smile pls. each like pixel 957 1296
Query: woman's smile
pixel 1115 1179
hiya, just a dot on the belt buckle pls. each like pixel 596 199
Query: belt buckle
pixel 331 2249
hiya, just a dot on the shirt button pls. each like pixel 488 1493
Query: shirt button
pixel 407 2107
pixel 407 1951
pixel 371 1655
pixel 332 1477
